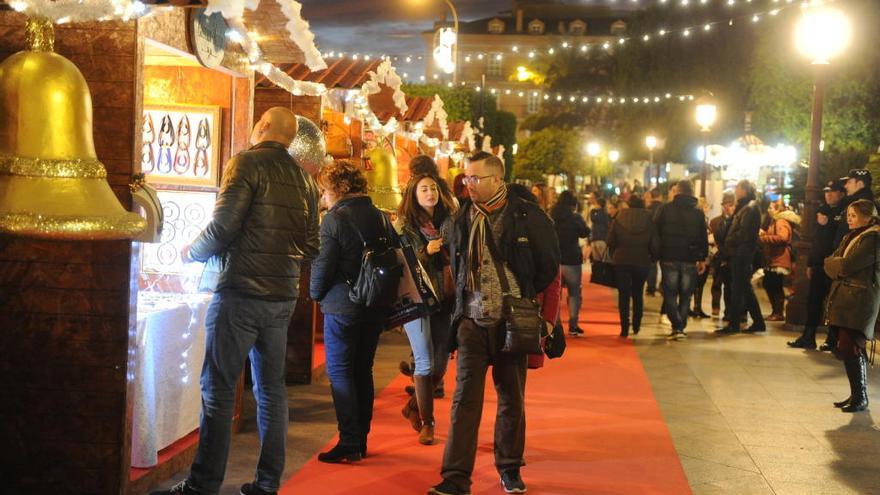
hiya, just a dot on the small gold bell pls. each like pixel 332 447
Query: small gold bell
pixel 52 185
pixel 382 180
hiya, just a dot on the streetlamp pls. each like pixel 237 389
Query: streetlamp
pixel 706 114
pixel 613 156
pixel 651 143
pixel 446 51
pixel 821 34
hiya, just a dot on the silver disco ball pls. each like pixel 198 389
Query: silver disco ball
pixel 308 147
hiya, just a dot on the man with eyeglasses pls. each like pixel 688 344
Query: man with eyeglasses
pixel 492 226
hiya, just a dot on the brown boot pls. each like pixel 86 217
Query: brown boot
pixel 425 399
pixel 411 412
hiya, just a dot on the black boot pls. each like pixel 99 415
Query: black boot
pixel 859 400
pixel 807 340
pixel 830 341
pixel 341 453
pixel 850 372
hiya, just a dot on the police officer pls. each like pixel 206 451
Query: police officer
pixel 858 186
pixel 827 220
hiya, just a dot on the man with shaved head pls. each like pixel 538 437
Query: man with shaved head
pixel 265 225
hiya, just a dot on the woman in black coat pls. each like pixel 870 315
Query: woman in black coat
pixel 633 242
pixel 570 228
pixel 351 331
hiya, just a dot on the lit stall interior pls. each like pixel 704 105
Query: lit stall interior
pixel 194 118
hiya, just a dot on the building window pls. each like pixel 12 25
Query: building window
pixel 493 65
pixel 536 27
pixel 496 26
pixel 578 27
pixel 533 102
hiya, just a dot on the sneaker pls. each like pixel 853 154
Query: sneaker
pixel 512 482
pixel 680 335
pixel 446 487
pixel 253 489
pixel 179 489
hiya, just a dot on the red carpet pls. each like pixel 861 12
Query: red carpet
pixel 593 428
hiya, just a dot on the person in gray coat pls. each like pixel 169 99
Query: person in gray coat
pixel 634 245
pixel 854 298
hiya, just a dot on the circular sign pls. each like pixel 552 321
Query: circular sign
pixel 207 37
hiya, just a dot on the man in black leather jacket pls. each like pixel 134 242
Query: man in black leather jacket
pixel 265 224
pixel 522 236
pixel 740 246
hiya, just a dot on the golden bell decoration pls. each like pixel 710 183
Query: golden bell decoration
pixel 382 180
pixel 52 185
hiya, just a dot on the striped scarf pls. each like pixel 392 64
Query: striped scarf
pixel 479 226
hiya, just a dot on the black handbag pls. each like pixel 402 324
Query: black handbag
pixel 554 344
pixel 521 330
pixel 602 274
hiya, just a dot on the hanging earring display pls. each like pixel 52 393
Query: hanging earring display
pixel 203 141
pixel 148 138
pixel 181 156
pixel 166 141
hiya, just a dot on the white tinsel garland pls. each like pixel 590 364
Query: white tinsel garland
pixel 487 143
pixel 468 136
pixel 63 11
pixel 387 75
pixel 231 9
pixel 440 114
pixel 301 34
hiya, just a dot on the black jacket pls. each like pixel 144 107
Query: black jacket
pixel 742 236
pixel 339 262
pixel 599 220
pixel 265 224
pixel 528 245
pixel 823 240
pixel 719 227
pixel 570 227
pixel 682 230
pixel 633 239
pixel 842 226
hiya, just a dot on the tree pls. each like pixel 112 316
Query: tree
pixel 551 151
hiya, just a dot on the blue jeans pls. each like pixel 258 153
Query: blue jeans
pixel 571 280
pixel 350 345
pixel 679 281
pixel 237 326
pixel 429 339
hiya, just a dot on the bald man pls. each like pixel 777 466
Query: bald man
pixel 265 225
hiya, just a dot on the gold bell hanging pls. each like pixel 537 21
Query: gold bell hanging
pixel 52 185
pixel 382 180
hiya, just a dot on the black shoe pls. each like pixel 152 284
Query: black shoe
pixel 339 454
pixel 802 343
pixel 859 380
pixel 755 329
pixel 843 403
pixel 828 347
pixel 410 390
pixel 727 330
pixel 512 482
pixel 179 489
pixel 575 331
pixel 439 393
pixel 253 489
pixel 446 487
pixel 405 368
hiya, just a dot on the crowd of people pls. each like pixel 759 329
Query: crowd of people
pixel 481 242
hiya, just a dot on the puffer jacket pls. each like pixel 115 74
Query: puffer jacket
pixel 338 265
pixel 632 238
pixel 776 241
pixel 854 268
pixel 742 236
pixel 265 224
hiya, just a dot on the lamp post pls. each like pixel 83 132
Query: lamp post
pixel 706 114
pixel 593 149
pixel 820 35
pixel 446 46
pixel 651 143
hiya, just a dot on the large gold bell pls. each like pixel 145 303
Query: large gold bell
pixel 51 182
pixel 382 180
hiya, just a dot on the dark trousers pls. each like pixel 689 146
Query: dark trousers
pixel 350 345
pixel 652 277
pixel 235 327
pixel 742 297
pixel 721 287
pixel 820 284
pixel 774 285
pixel 698 291
pixel 679 280
pixel 630 286
pixel 476 352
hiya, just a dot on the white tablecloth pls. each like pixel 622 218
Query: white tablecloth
pixel 166 367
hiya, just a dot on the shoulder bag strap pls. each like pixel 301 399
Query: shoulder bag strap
pixel 493 252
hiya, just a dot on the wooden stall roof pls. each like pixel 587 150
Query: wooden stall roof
pixel 341 73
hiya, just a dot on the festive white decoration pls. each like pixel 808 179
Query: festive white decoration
pixel 468 136
pixel 487 143
pixel 231 9
pixel 301 34
pixel 385 74
pixel 440 114
pixel 500 153
pixel 63 11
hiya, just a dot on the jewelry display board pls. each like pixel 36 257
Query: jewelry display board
pixel 181 144
pixel 186 214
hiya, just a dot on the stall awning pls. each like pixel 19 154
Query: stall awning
pixel 343 73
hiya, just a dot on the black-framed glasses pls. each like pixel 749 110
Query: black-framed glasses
pixel 472 180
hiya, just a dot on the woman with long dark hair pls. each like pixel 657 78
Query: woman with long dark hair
pixel 854 298
pixel 570 228
pixel 425 215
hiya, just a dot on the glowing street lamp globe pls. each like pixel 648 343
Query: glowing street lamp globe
pixel 614 155
pixel 651 142
pixel 706 114
pixel 822 33
pixel 593 148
